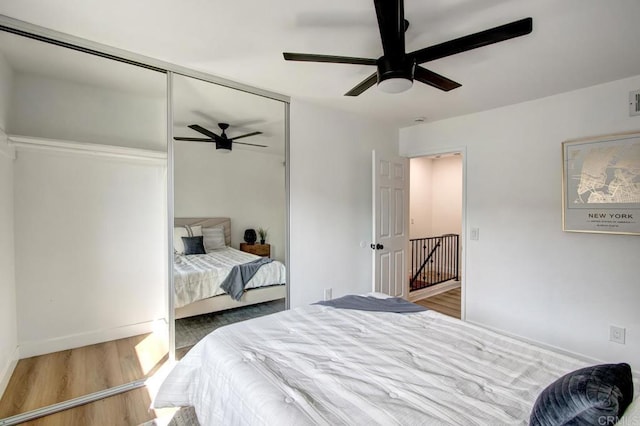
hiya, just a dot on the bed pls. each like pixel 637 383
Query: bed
pixel 197 278
pixel 325 366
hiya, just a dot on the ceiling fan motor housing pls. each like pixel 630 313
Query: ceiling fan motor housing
pixel 224 145
pixel 397 75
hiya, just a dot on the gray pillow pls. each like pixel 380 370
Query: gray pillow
pixel 193 245
pixel 589 396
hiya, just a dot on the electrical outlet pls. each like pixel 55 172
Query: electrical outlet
pixel 327 294
pixel 475 234
pixel 617 334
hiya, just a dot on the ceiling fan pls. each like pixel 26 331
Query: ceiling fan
pixel 397 69
pixel 222 141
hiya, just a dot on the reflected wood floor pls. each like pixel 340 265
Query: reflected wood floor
pixel 447 303
pixel 48 379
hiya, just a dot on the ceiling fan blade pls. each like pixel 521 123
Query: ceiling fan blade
pixel 307 57
pixel 368 82
pixel 435 80
pixel 252 144
pixel 391 22
pixel 473 41
pixel 206 132
pixel 245 136
pixel 179 138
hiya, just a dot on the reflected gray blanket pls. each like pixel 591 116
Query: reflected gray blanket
pixel 368 303
pixel 240 275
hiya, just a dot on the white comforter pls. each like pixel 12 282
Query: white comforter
pixel 199 276
pixel 319 365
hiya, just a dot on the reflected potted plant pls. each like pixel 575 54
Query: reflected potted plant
pixel 262 233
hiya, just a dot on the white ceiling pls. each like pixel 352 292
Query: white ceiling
pixel 574 44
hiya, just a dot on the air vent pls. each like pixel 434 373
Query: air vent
pixel 634 103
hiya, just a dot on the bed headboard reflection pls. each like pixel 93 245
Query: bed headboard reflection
pixel 207 222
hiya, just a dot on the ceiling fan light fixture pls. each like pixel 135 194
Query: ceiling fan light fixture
pixel 223 150
pixel 395 85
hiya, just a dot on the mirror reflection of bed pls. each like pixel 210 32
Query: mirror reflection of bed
pixel 201 304
pixel 234 189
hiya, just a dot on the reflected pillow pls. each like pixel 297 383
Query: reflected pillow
pixel 178 244
pixel 193 245
pixel 194 230
pixel 590 396
pixel 213 238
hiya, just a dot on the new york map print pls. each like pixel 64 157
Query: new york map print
pixel 605 174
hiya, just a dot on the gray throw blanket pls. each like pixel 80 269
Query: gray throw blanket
pixel 240 275
pixel 368 303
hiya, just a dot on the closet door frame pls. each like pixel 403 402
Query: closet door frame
pixel 25 29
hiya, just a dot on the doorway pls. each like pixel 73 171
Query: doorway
pixel 436 232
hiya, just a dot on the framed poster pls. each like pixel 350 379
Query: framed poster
pixel 601 184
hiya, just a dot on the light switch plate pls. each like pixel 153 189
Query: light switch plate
pixel 634 103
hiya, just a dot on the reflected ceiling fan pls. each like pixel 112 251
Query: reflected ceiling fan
pixel 397 69
pixel 223 142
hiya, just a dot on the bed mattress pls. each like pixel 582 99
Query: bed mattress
pixel 198 277
pixel 326 366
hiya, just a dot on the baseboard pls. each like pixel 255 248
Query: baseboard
pixel 7 371
pixel 40 347
pixel 434 290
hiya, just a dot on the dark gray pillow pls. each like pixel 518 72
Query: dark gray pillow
pixel 193 245
pixel 589 396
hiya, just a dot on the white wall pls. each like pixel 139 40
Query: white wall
pixel 420 205
pixel 58 109
pixel 247 186
pixel 90 248
pixel 447 196
pixel 525 275
pixel 331 200
pixel 89 230
pixel 436 196
pixel 8 318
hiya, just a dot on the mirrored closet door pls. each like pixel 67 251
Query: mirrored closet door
pixel 90 221
pixel 229 185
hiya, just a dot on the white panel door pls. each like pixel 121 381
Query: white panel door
pixel 390 242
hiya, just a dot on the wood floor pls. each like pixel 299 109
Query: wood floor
pixel 48 379
pixel 447 303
